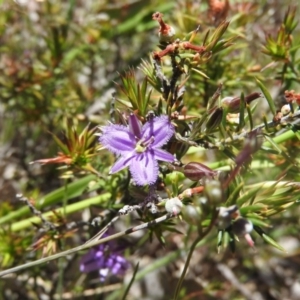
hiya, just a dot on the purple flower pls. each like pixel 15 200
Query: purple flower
pixel 106 259
pixel 138 147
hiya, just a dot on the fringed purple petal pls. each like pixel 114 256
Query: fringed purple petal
pixel 117 139
pixel 105 259
pixel 120 266
pixel 92 261
pixel 160 128
pixel 122 162
pixel 89 256
pixel 163 155
pixel 138 147
pixel 144 168
pixel 135 126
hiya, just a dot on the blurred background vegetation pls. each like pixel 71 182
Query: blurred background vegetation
pixel 60 62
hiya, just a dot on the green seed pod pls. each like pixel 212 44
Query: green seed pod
pixel 191 214
pixel 213 191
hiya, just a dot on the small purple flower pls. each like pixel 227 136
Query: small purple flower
pixel 138 147
pixel 106 259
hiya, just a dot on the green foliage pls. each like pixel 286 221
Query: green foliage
pixel 237 165
pixel 137 94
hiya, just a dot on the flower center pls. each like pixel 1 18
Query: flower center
pixel 143 145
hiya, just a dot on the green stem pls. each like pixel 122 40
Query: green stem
pixel 74 189
pixel 193 247
pixel 62 210
pixel 281 138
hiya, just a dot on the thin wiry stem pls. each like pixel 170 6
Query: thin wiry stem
pixel 293 118
pixel 87 246
pixel 163 79
pixel 193 247
pixel 272 123
pixel 131 282
pixel 103 230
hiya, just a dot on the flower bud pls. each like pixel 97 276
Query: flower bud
pixel 167 35
pixel 214 119
pixel 196 171
pixel 242 226
pixel 191 214
pixel 285 109
pixel 204 205
pixel 173 206
pixel 226 214
pixel 213 191
pixel 166 32
pixel 232 104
